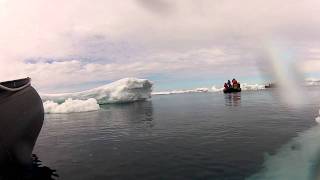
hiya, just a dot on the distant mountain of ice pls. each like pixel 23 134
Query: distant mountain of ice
pixel 122 91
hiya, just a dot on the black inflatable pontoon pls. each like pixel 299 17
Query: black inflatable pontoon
pixel 21 119
pixel 231 90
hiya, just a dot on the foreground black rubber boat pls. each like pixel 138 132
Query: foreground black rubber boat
pixel 21 119
pixel 36 171
pixel 231 90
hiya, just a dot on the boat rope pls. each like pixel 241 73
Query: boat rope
pixel 15 89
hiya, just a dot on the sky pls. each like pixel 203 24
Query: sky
pixel 79 44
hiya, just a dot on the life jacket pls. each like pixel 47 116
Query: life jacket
pixel 234 82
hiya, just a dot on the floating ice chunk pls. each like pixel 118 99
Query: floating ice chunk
pixel 252 87
pixel 318 118
pixel 71 106
pixel 215 89
pixel 124 90
pixel 312 82
pixel 197 90
pixel 162 93
pixel 201 90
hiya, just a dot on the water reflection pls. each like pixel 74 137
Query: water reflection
pixel 232 99
pixel 136 112
pixel 35 172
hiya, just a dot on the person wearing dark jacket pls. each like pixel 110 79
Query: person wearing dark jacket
pixel 229 84
pixel 226 86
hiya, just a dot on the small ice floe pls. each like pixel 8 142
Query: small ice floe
pixel 312 82
pixel 252 87
pixel 318 118
pixel 197 90
pixel 215 89
pixel 71 106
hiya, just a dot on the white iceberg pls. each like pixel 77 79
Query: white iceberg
pixel 71 106
pixel 121 91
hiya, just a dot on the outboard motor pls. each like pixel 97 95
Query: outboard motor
pixel 21 119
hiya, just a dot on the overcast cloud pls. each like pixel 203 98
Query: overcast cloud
pixel 66 43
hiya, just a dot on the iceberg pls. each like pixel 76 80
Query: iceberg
pixel 121 91
pixel 71 106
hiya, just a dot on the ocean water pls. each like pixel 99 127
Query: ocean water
pixel 249 135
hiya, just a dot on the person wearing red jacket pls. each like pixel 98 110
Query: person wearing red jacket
pixel 234 83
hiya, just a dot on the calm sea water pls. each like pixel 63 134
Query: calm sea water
pixel 183 136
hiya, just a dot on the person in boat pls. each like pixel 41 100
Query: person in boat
pixel 234 83
pixel 226 86
pixel 229 84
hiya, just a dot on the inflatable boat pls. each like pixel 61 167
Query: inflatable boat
pixel 231 90
pixel 21 119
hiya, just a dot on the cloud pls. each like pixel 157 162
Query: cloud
pixel 95 40
pixel 50 75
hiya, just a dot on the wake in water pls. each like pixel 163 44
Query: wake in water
pixel 297 160
pixel 122 91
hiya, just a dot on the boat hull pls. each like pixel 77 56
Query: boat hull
pixel 231 90
pixel 21 119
